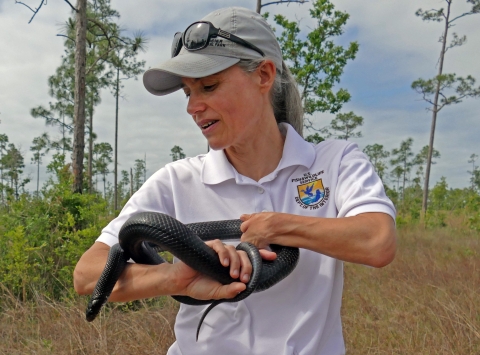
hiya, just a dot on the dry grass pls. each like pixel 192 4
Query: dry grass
pixel 57 328
pixel 426 302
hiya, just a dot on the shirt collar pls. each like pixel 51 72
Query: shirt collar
pixel 216 168
pixel 296 151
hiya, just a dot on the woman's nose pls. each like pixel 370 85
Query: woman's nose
pixel 195 104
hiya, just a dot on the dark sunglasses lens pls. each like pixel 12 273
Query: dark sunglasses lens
pixel 176 44
pixel 196 36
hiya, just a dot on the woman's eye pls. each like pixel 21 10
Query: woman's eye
pixel 209 87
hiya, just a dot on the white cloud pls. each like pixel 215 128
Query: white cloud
pixel 396 48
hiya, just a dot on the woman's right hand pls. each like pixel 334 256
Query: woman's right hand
pixel 192 283
pixel 199 286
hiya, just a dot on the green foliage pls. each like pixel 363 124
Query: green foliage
pixel 402 161
pixel 12 167
pixel 439 195
pixel 343 126
pixel 377 155
pixel 139 173
pixel 475 173
pixel 124 187
pixel 18 261
pixel 444 89
pixel 102 153
pixel 443 202
pixel 42 238
pixel 315 60
pixel 452 89
pixel 472 210
pixel 3 151
pixel 439 15
pixel 177 153
pixel 314 138
pixel 39 149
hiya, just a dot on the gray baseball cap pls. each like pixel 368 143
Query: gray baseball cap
pixel 220 54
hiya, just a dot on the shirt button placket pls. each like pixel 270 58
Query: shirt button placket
pixel 263 200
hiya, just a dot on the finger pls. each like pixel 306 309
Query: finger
pixel 235 262
pixel 246 266
pixel 245 223
pixel 245 217
pixel 267 254
pixel 221 250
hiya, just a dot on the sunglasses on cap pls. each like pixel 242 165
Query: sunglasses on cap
pixel 197 36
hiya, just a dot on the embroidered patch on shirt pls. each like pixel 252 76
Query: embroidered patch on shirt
pixel 311 193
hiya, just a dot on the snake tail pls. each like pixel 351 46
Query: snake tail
pixel 212 305
pixel 255 258
pixel 106 282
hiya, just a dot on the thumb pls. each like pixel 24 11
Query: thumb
pixel 245 217
pixel 231 290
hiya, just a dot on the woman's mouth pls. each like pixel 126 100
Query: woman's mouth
pixel 208 124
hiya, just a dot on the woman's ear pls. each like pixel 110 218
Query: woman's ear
pixel 266 72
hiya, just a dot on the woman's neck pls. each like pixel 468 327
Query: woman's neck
pixel 260 155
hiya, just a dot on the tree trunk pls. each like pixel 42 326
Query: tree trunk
pixel 259 6
pixel 131 182
pixel 16 188
pixel 90 148
pixel 434 119
pixel 38 171
pixel 79 106
pixel 63 135
pixel 1 175
pixel 115 192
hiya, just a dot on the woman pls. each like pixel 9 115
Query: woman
pixel 325 199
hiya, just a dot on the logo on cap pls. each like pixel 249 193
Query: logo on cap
pixel 216 43
pixel 224 34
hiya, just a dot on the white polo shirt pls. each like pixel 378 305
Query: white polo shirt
pixel 301 314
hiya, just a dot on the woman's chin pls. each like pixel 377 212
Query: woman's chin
pixel 216 144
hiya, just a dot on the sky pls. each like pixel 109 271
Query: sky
pixel 396 48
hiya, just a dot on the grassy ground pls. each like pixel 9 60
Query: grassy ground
pixel 426 302
pixel 57 328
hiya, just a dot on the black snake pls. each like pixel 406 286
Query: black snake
pixel 144 234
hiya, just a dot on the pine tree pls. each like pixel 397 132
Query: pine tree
pixel 39 148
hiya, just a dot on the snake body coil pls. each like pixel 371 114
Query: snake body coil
pixel 144 234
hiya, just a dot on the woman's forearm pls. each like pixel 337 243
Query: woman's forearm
pixel 136 282
pixel 368 238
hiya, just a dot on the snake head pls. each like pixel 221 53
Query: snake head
pixel 94 307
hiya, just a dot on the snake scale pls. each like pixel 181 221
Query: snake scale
pixel 146 233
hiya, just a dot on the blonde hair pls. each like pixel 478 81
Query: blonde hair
pixel 284 95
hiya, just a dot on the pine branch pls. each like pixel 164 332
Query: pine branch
pixel 40 6
pixel 283 2
pixel 71 39
pixel 462 15
pixel 73 8
pixel 34 11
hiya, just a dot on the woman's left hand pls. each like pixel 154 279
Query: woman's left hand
pixel 258 229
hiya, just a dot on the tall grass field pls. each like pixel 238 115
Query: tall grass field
pixel 426 302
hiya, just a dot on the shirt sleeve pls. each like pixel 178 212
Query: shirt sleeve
pixel 154 196
pixel 359 188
